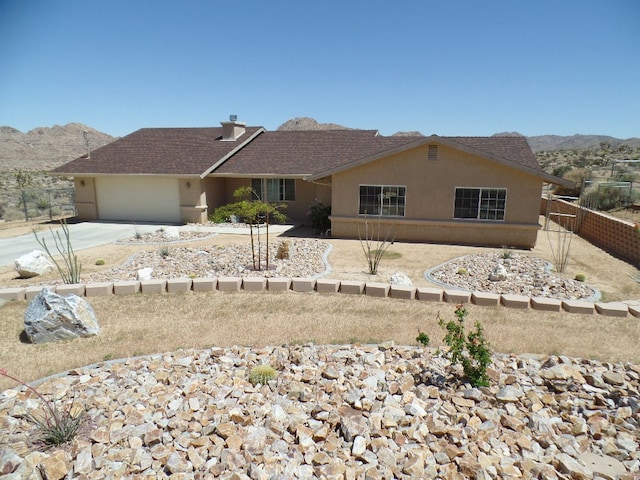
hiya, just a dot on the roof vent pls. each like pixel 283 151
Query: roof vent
pixel 232 129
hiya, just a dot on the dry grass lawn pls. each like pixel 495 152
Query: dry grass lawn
pixel 144 324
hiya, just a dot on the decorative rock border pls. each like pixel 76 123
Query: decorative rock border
pixel 328 286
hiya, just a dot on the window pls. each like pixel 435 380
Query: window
pixel 480 203
pixel 275 189
pixel 385 200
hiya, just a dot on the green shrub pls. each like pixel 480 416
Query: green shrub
pixel 580 277
pixel 319 214
pixel 262 374
pixel 608 197
pixel 164 251
pixel 423 338
pixel 100 261
pixel 462 271
pixel 469 350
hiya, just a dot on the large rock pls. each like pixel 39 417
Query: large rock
pixel 33 264
pixel 400 279
pixel 51 317
pixel 498 274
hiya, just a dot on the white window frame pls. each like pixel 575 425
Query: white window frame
pixel 283 194
pixel 486 208
pixel 382 206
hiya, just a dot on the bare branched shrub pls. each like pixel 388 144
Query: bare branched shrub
pixel 373 245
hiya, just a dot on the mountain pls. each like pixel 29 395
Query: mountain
pixel 44 148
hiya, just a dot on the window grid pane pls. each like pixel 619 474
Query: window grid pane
pixel 382 200
pixel 480 203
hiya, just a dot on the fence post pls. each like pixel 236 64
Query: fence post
pixel 50 207
pixel 24 205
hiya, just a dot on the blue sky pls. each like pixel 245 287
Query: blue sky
pixel 444 67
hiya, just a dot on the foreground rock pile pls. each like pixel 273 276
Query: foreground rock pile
pixel 339 412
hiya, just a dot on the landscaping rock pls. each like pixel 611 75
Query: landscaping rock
pixel 144 273
pixel 400 279
pixel 352 411
pixel 34 264
pixel 171 233
pixel 498 274
pixel 51 317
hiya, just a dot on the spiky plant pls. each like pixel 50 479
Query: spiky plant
pixel 262 374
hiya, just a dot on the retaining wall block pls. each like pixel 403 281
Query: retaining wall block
pixel 175 285
pixel 279 284
pixel 204 284
pixel 612 309
pixel 254 284
pixel 68 288
pixel 126 287
pixel 457 296
pixel 325 285
pixel 376 289
pixel 153 286
pixel 634 309
pixel 515 301
pixel 485 299
pixel 13 293
pixel 404 292
pixel 303 284
pixel 32 292
pixel 578 306
pixel 547 304
pixel 98 289
pixel 429 294
pixel 229 284
pixel 352 287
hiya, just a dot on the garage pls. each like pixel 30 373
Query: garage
pixel 138 198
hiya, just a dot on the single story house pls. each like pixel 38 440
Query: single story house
pixel 468 190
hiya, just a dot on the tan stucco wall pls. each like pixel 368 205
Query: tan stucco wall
pixel 430 191
pixel 220 192
pixel 193 200
pixel 86 198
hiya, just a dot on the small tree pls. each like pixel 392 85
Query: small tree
pixel 254 211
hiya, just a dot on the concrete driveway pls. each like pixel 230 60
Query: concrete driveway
pixel 93 234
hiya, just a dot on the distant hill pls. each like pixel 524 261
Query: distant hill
pixel 44 148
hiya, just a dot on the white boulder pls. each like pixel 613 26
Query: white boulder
pixel 498 274
pixel 145 273
pixel 171 233
pixel 51 317
pixel 400 279
pixel 34 264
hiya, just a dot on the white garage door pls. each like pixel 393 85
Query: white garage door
pixel 150 199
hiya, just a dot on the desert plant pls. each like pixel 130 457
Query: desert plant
pixel 164 251
pixel 100 261
pixel 319 214
pixel 506 253
pixel 262 374
pixel 72 267
pixel 423 338
pixel 283 251
pixel 469 350
pixel 580 277
pixel 462 271
pixel 56 427
pixel 608 197
pixel 373 245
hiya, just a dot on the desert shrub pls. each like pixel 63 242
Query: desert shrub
pixel 560 170
pixel 56 427
pixel 2 210
pixel 164 251
pixel 608 197
pixel 319 214
pixel 462 271
pixel 283 251
pixel 72 267
pixel 100 261
pixel 223 214
pixel 580 277
pixel 374 246
pixel 262 374
pixel 577 175
pixel 469 350
pixel 423 339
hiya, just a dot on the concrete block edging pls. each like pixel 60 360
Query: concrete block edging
pixel 329 286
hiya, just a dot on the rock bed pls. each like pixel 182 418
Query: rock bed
pixel 160 236
pixel 339 412
pixel 305 259
pixel 527 275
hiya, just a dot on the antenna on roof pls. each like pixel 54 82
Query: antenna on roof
pixel 233 118
pixel 85 134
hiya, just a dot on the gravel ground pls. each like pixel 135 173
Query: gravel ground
pixel 526 275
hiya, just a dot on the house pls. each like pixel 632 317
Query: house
pixel 469 190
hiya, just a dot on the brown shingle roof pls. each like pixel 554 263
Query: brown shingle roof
pixel 515 149
pixel 158 151
pixel 306 152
